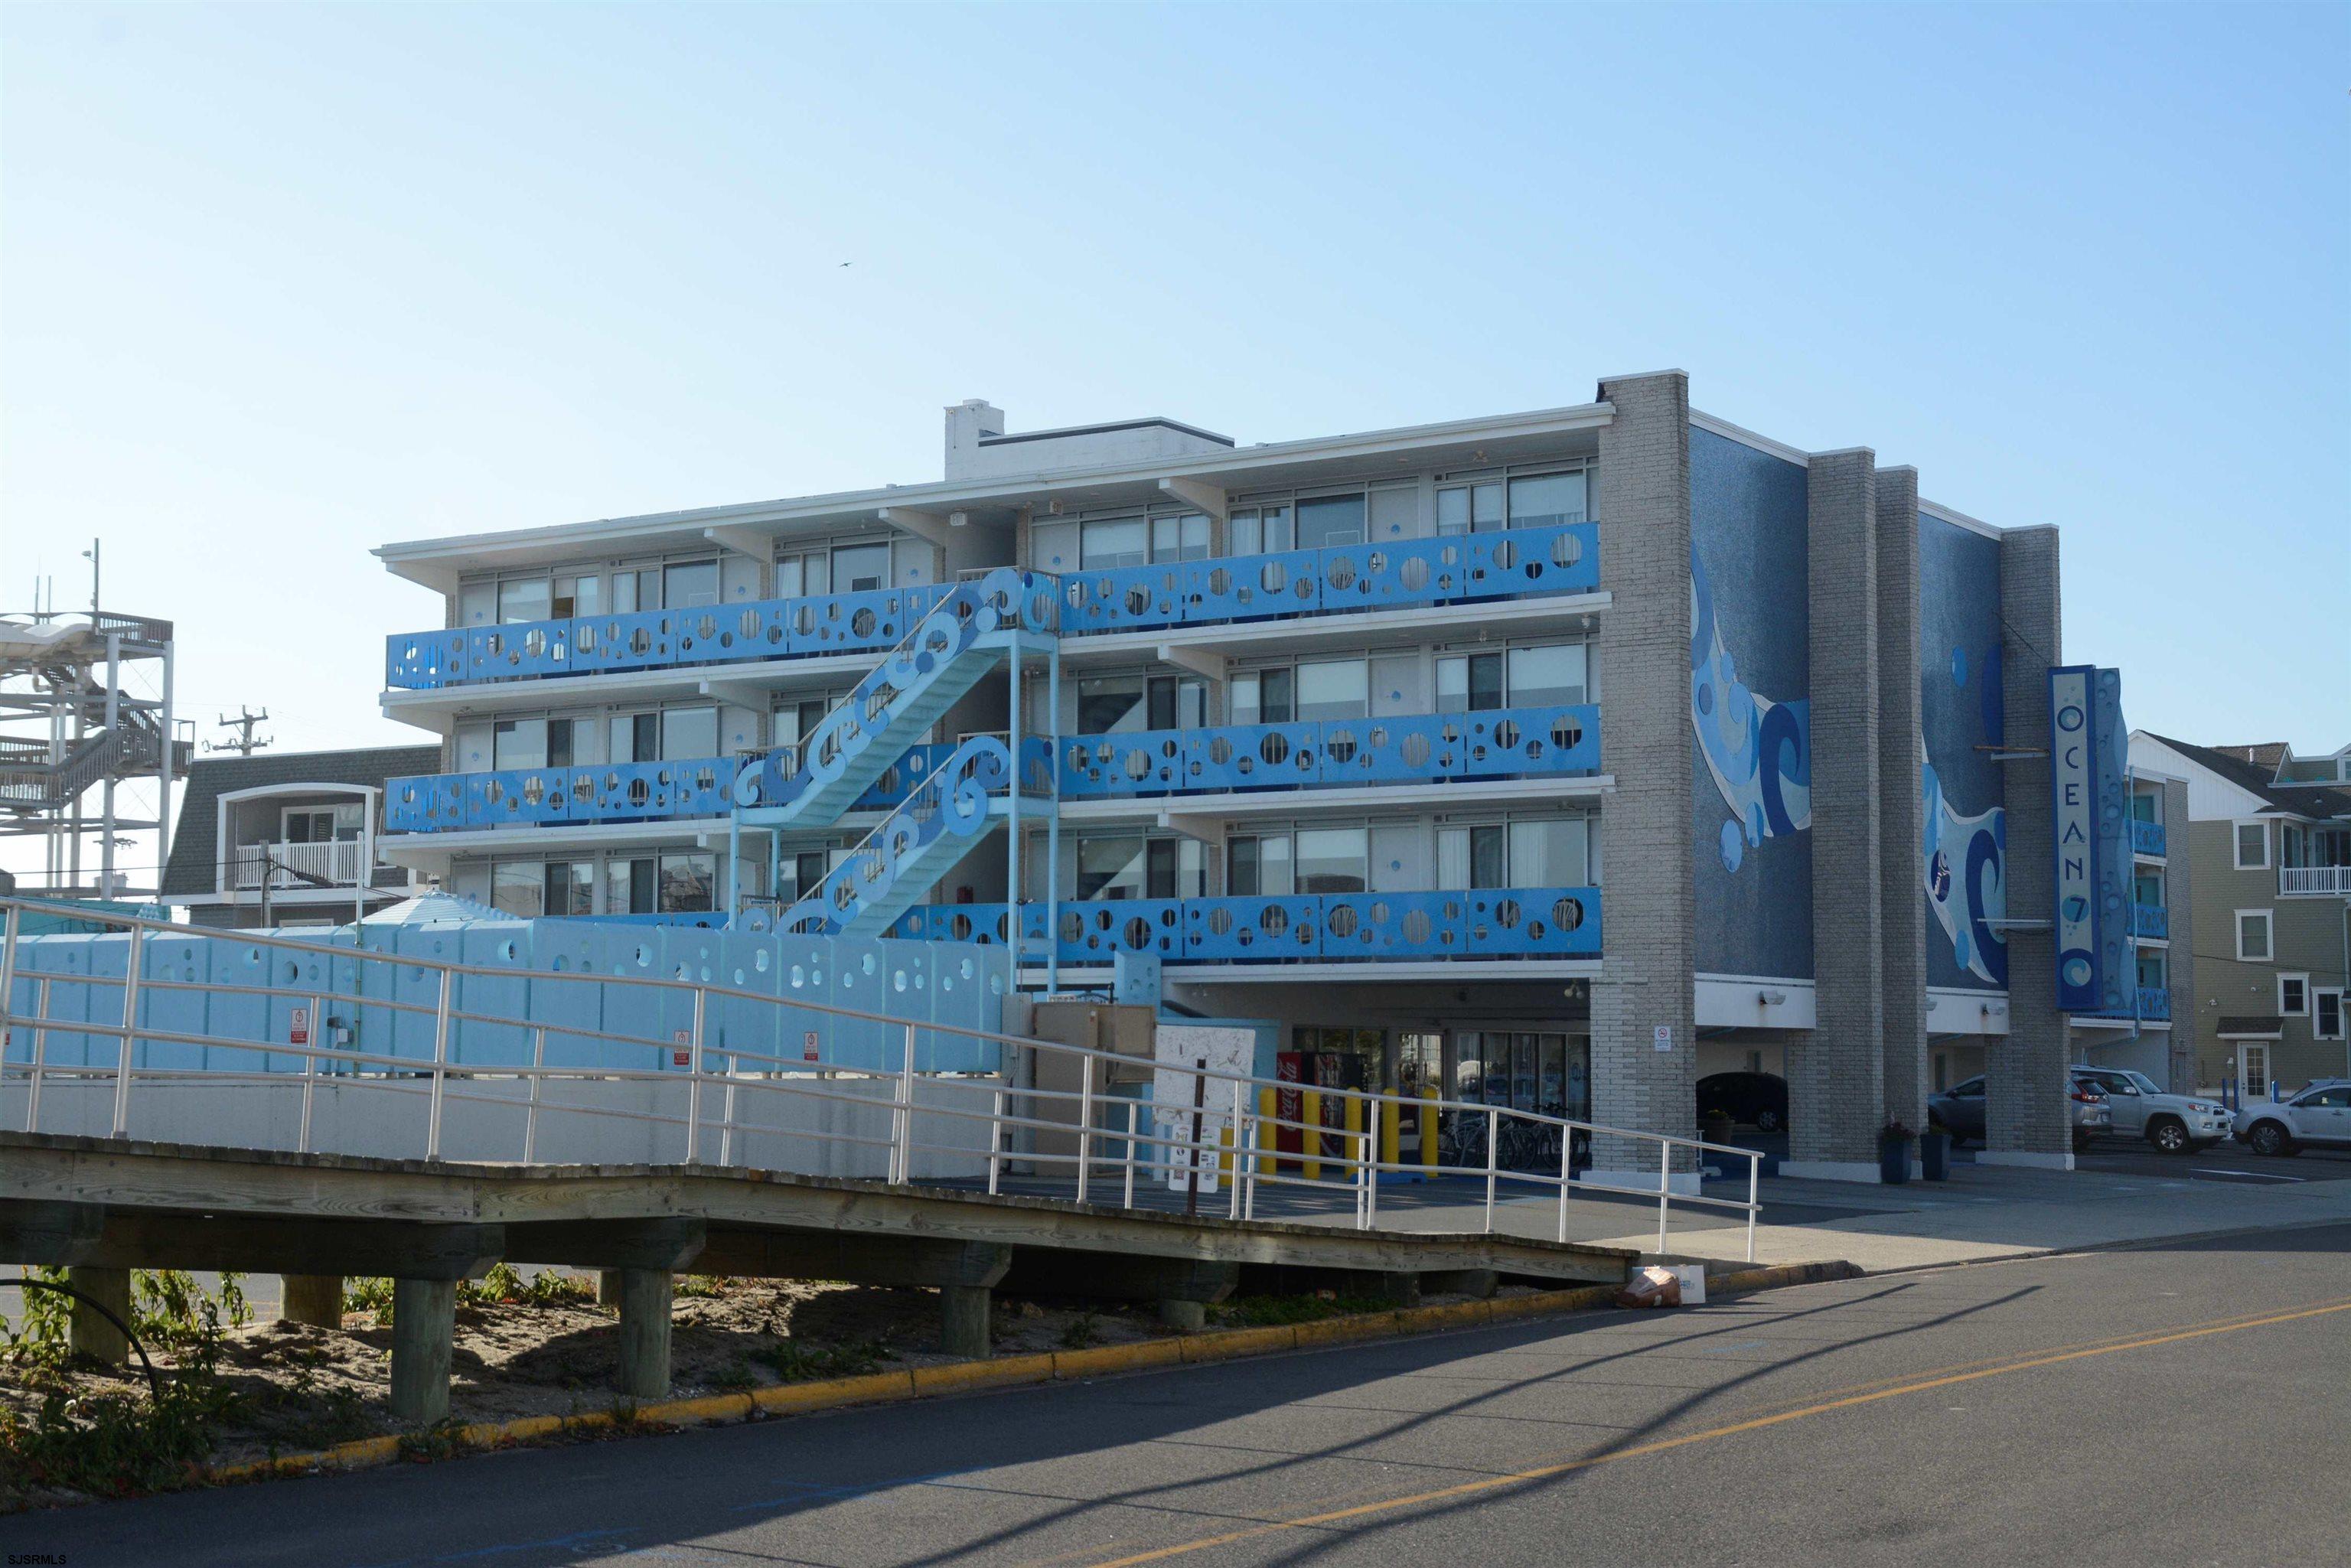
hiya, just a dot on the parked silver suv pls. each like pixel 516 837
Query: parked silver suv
pixel 2176 1124
pixel 2319 1116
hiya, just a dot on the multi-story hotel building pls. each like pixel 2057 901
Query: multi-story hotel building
pixel 1560 756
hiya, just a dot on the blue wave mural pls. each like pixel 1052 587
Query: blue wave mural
pixel 1758 751
pixel 1965 864
pixel 1963 832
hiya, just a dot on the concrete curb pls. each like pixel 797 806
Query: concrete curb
pixel 1012 1371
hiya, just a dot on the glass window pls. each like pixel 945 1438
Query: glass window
pixel 1262 530
pixel 1332 860
pixel 561 752
pixel 525 601
pixel 572 887
pixel 636 738
pixel 689 583
pixel 1180 538
pixel 1541 500
pixel 688 882
pixel 2326 1019
pixel 1259 867
pixel 578 596
pixel 1452 510
pixel 1263 696
pixel 1338 689
pixel 1468 683
pixel 1174 868
pixel 1109 868
pixel 1329 520
pixel 689 733
pixel 1548 853
pixel 629 886
pixel 2253 936
pixel 1178 702
pixel 1546 677
pixel 1485 508
pixel 2293 995
pixel 625 597
pixel 861 568
pixel 1470 857
pixel 1109 703
pixel 2252 845
pixel 519 887
pixel 519 743
pixel 1113 542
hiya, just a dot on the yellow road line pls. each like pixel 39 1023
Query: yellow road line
pixel 1489 1484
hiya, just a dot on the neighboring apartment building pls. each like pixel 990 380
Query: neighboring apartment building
pixel 2270 847
pixel 1556 757
pixel 287 838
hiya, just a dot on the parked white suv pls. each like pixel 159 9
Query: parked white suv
pixel 2176 1124
pixel 2320 1116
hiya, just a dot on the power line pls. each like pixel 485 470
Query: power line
pixel 247 743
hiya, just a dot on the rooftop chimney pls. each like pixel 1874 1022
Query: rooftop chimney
pixel 966 422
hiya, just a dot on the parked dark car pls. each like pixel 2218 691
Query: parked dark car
pixel 1758 1099
pixel 1960 1111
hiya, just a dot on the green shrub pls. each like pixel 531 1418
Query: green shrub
pixel 795 1363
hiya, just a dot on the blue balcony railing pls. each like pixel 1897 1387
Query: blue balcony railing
pixel 1541 742
pixel 2154 1007
pixel 1340 580
pixel 1420 749
pixel 2146 838
pixel 610 792
pixel 1518 923
pixel 2150 920
pixel 1455 569
pixel 869 621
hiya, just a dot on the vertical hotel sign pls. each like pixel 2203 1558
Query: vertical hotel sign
pixel 2089 766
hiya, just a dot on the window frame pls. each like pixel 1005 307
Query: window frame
pixel 2237 844
pixel 2318 1013
pixel 2302 1009
pixel 2269 935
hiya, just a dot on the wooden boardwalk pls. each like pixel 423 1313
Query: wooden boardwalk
pixel 104 1206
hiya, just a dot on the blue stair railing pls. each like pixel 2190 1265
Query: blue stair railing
pixel 944 654
pixel 899 861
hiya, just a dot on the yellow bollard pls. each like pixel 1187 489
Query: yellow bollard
pixel 1269 1142
pixel 1428 1129
pixel 1310 1142
pixel 1225 1151
pixel 1391 1136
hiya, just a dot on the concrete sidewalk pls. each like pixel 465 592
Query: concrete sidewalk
pixel 1982 1212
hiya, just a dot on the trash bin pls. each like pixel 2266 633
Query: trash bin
pixel 1935 1156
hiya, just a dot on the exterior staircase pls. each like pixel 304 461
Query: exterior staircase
pixel 812 784
pixel 943 657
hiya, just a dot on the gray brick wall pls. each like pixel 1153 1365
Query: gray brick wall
pixel 1835 1087
pixel 1644 511
pixel 2178 894
pixel 1901 834
pixel 2026 1109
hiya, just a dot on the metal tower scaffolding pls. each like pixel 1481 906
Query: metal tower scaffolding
pixel 70 724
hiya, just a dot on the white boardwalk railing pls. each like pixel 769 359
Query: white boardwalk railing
pixel 1220 1137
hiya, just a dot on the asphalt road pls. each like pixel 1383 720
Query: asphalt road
pixel 2190 1403
pixel 2223 1161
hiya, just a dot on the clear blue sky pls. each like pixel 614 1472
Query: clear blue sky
pixel 284 283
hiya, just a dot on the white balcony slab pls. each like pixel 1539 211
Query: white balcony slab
pixel 1505 617
pixel 1155 808
pixel 1449 970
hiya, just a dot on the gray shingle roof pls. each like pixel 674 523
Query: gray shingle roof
pixel 2298 800
pixel 193 868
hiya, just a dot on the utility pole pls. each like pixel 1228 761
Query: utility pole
pixel 247 743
